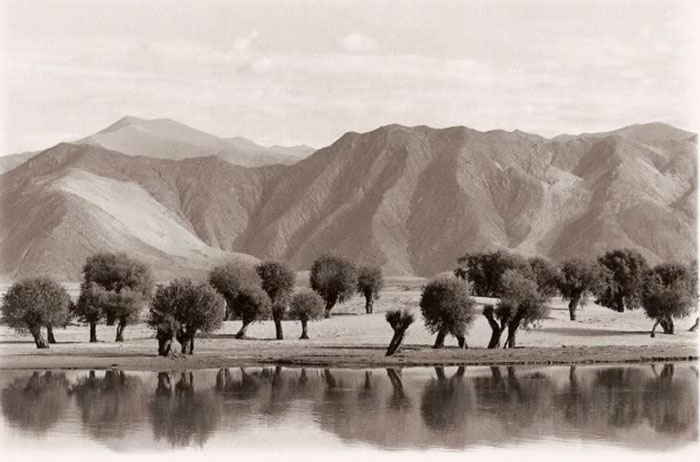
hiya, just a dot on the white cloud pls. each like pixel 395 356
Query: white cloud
pixel 244 43
pixel 358 43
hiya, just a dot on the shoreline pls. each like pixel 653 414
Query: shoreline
pixel 353 357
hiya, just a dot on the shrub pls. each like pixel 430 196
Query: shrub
pixel 278 282
pixel 369 282
pixel 579 278
pixel 447 308
pixel 129 284
pixel 305 306
pixel 334 278
pixel 626 270
pixel 399 321
pixel 669 293
pixel 36 302
pixel 521 305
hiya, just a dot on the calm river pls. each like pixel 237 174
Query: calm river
pixel 639 408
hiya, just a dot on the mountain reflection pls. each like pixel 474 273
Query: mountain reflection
pixel 457 407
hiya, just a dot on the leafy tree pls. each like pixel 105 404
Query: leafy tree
pixel 334 278
pixel 228 279
pixel 626 271
pixel 277 281
pixel 447 308
pixel 252 304
pixel 90 307
pixel 484 270
pixel 181 309
pixel 306 305
pixel 521 304
pixel 546 276
pixel 579 278
pixel 369 282
pixel 669 293
pixel 128 283
pixel 399 321
pixel 35 302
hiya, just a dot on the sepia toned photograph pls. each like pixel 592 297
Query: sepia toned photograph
pixel 340 229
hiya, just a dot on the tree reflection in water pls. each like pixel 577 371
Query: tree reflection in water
pixel 671 406
pixel 37 404
pixel 186 416
pixel 111 404
pixel 445 402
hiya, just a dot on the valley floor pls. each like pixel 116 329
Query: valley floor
pixel 353 339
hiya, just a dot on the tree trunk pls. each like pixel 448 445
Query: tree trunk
pixel 93 332
pixel 653 329
pixel 49 334
pixel 667 325
pixel 573 304
pixel 369 303
pixel 38 337
pixel 329 306
pixel 191 344
pixel 462 342
pixel 496 330
pixel 278 329
pixel 396 341
pixel 120 331
pixel 440 339
pixel 695 326
pixel 304 333
pixel 165 341
pixel 512 329
pixel 241 333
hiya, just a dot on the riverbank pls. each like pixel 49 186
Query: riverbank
pixel 356 340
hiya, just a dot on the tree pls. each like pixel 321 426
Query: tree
pixel 181 309
pixel 626 271
pixel 546 276
pixel 36 302
pixel 484 270
pixel 228 279
pixel 447 308
pixel 334 278
pixel 252 304
pixel 277 281
pixel 669 293
pixel 369 282
pixel 90 307
pixel 521 304
pixel 128 283
pixel 399 321
pixel 305 306
pixel 579 278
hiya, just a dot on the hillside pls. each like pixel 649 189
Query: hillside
pixel 168 139
pixel 412 199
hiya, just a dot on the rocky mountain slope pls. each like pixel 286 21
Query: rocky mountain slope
pixel 410 199
pixel 168 139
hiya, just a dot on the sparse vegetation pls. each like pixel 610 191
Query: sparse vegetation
pixel 278 282
pixel 334 278
pixel 128 285
pixel 579 279
pixel 305 306
pixel 447 308
pixel 369 282
pixel 400 321
pixel 521 305
pixel 669 293
pixel 34 303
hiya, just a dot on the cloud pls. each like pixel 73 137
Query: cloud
pixel 244 43
pixel 358 43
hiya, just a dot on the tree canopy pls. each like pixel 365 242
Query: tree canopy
pixel 626 270
pixel 669 293
pixel 578 279
pixel 306 305
pixel 485 270
pixel 447 308
pixel 369 282
pixel 521 304
pixel 334 278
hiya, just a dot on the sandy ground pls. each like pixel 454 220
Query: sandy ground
pixel 353 339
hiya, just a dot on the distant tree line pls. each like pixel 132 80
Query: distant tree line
pixel 117 288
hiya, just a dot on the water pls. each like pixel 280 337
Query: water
pixel 641 407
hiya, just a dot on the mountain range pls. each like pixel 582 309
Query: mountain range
pixel 411 199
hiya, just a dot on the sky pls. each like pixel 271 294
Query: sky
pixel 291 72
